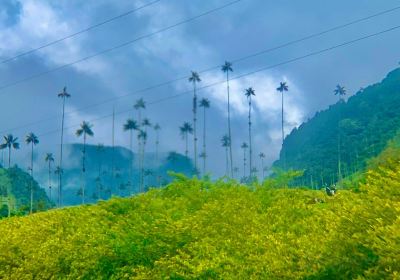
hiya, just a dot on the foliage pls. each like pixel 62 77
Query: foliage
pixel 15 184
pixel 194 229
pixel 369 119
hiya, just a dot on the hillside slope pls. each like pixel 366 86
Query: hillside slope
pixel 368 121
pixel 197 229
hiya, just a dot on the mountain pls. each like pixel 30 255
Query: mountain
pixel 101 183
pixel 368 120
pixel 15 186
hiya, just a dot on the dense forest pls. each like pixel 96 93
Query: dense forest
pixel 364 123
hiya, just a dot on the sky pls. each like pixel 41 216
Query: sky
pixel 114 79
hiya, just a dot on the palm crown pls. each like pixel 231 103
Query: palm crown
pixel 186 128
pixel 157 126
pixel 227 67
pixel 10 142
pixel 130 125
pixel 146 122
pixel 194 78
pixel 225 141
pixel 244 145
pixel 86 129
pixel 261 155
pixel 204 102
pixel 249 92
pixel 142 135
pixel 140 104
pixel 283 87
pixel 64 93
pixel 31 138
pixel 49 157
pixel 340 90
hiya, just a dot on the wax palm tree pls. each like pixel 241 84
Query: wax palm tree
pixel 225 141
pixel 236 170
pixel 10 142
pixel 226 68
pixel 205 104
pixel 340 91
pixel 194 79
pixel 143 138
pixel 185 130
pixel 85 130
pixel 249 93
pixel 49 158
pixel 283 87
pixel 262 157
pixel 130 126
pixel 63 95
pixel 244 147
pixel 58 171
pixel 157 129
pixel 33 140
pixel 139 106
pixel 145 124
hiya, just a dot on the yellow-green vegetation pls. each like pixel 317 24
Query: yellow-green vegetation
pixel 195 229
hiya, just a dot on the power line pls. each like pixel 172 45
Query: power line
pixel 247 74
pixel 79 32
pixel 305 38
pixel 34 76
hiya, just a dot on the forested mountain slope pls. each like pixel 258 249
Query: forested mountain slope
pixel 367 121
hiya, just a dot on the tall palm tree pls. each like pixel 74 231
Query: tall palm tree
pixel 33 140
pixel 139 106
pixel 205 104
pixel 225 143
pixel 157 129
pixel 58 171
pixel 185 130
pixel 63 95
pixel 145 124
pixel 85 130
pixel 262 157
pixel 249 93
pixel 283 87
pixel 340 91
pixel 50 160
pixel 194 79
pixel 10 142
pixel 226 68
pixel 143 138
pixel 130 126
pixel 244 147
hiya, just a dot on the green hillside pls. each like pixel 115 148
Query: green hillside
pixel 369 119
pixel 195 229
pixel 15 186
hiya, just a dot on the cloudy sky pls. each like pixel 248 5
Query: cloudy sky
pixel 29 99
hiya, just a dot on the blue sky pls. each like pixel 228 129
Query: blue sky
pixel 236 31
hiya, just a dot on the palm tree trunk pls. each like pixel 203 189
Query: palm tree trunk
pixel 186 140
pixel 113 149
pixel 250 145
pixel 204 143
pixel 229 124
pixel 262 166
pixel 131 163
pixel 283 137
pixel 244 163
pixel 9 157
pixel 61 155
pixel 194 125
pixel 31 183
pixel 227 161
pixel 142 167
pixel 83 168
pixel 339 146
pixel 50 180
